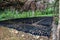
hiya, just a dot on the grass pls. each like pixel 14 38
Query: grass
pixel 9 14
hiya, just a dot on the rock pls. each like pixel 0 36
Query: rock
pixel 14 31
pixel 43 38
pixel 36 37
pixel 22 35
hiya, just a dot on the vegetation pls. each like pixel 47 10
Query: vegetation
pixel 9 14
pixel 13 14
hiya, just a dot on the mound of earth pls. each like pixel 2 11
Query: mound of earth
pixel 12 34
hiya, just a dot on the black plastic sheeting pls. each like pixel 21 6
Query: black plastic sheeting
pixel 44 28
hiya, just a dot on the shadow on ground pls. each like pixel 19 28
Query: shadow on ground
pixel 41 27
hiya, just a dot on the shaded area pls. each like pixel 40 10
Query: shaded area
pixel 42 28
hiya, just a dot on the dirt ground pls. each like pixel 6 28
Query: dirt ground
pixel 12 34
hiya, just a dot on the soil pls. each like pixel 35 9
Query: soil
pixel 12 34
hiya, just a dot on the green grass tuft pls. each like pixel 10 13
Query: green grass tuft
pixel 9 14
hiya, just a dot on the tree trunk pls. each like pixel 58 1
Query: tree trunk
pixel 55 29
pixel 58 28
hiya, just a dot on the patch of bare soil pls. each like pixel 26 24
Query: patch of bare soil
pixel 12 34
